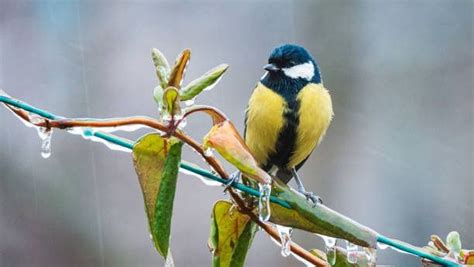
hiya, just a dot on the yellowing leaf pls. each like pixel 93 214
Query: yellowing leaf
pixel 177 73
pixel 225 139
pixel 156 161
pixel 205 82
pixel 231 235
pixel 171 101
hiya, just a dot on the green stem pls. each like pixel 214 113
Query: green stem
pixel 129 144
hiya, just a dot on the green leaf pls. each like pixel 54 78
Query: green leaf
pixel 317 219
pixel 171 101
pixel 156 161
pixel 231 235
pixel 161 66
pixel 159 60
pixel 453 241
pixel 206 81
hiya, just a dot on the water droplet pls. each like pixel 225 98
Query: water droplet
pixel 382 246
pixel 35 119
pixel 285 238
pixel 189 102
pixel 329 241
pixel 331 256
pixel 45 136
pixel 351 252
pixel 264 201
pixel 208 152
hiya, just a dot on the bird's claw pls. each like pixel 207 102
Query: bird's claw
pixel 315 199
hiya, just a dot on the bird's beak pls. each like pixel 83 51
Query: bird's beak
pixel 271 67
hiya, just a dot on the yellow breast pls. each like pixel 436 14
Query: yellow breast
pixel 264 122
pixel 315 114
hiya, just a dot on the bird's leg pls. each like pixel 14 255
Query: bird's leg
pixel 309 195
pixel 233 178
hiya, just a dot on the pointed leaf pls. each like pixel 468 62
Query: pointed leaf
pixel 224 138
pixel 171 101
pixel 177 73
pixel 163 75
pixel 156 161
pixel 205 82
pixel 318 219
pixel 453 242
pixel 164 205
pixel 161 66
pixel 231 235
pixel 159 60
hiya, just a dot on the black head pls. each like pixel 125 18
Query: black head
pixel 290 66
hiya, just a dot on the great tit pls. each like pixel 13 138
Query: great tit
pixel 288 114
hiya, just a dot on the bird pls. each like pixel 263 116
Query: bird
pixel 288 114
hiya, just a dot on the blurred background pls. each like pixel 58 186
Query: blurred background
pixel 398 156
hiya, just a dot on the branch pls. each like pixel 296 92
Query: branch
pixel 211 160
pixel 52 121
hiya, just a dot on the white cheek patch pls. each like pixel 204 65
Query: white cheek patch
pixel 305 71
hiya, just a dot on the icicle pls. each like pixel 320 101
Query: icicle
pixel 371 255
pixel 45 136
pixel 351 252
pixel 285 238
pixel 169 260
pixel 330 244
pixel 189 102
pixel 264 201
pixel 329 241
pixel 203 179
